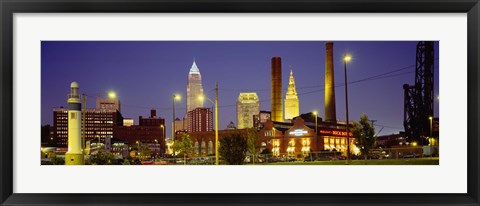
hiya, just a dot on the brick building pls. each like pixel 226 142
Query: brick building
pixel 204 142
pixel 98 123
pixel 200 120
pixel 298 139
pixel 150 131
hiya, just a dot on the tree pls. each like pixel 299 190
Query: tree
pixel 58 161
pixel 102 158
pixel 252 138
pixel 233 149
pixel 364 133
pixel 184 146
pixel 142 151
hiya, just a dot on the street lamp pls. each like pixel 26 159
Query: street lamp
pixel 346 59
pixel 431 120
pixel 112 95
pixel 202 98
pixel 175 97
pixel 138 149
pixel 316 125
pixel 156 143
pixel 164 139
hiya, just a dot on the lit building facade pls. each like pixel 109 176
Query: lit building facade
pixel 298 139
pixel 128 122
pixel 98 123
pixel 150 131
pixel 180 126
pixel 200 120
pixel 248 105
pixel 292 104
pixel 110 103
pixel 260 119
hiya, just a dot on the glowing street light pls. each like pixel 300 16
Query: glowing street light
pixel 164 139
pixel 112 95
pixel 431 120
pixel 347 58
pixel 316 125
pixel 175 97
pixel 202 98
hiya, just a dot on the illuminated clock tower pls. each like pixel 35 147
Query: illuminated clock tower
pixel 292 108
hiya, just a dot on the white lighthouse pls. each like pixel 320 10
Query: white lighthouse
pixel 74 155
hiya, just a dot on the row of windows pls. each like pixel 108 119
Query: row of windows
pixel 99 128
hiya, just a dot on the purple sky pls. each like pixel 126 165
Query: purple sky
pixel 145 75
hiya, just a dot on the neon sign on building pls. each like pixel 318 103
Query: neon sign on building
pixel 298 132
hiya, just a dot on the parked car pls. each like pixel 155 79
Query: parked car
pixel 373 156
pixel 323 158
pixel 337 157
pixel 411 155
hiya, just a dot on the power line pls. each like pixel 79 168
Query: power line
pixel 371 78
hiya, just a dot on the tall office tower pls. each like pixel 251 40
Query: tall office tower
pixel 74 155
pixel 194 88
pixel 330 110
pixel 200 120
pixel 292 105
pixel 276 90
pixel 248 105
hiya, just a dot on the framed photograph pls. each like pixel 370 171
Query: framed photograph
pixel 235 102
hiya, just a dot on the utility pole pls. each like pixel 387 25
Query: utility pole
pixel 216 123
pixel 83 120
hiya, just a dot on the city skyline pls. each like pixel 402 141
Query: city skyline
pixel 146 74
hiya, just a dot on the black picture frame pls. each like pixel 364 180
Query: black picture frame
pixel 10 7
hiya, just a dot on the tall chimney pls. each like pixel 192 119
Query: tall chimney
pixel 153 113
pixel 330 110
pixel 276 93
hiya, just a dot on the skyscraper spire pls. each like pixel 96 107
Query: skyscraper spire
pixel 194 68
pixel 292 108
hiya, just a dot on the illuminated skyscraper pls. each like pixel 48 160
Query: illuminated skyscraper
pixel 194 88
pixel 248 105
pixel 292 105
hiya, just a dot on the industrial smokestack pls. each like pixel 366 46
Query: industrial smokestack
pixel 330 110
pixel 276 93
pixel 153 113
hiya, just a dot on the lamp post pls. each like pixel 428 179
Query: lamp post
pixel 156 143
pixel 431 120
pixel 174 98
pixel 216 119
pixel 138 149
pixel 164 139
pixel 316 125
pixel 347 58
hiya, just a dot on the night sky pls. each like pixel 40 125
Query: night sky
pixel 145 74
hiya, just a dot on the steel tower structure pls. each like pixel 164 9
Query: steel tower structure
pixel 418 98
